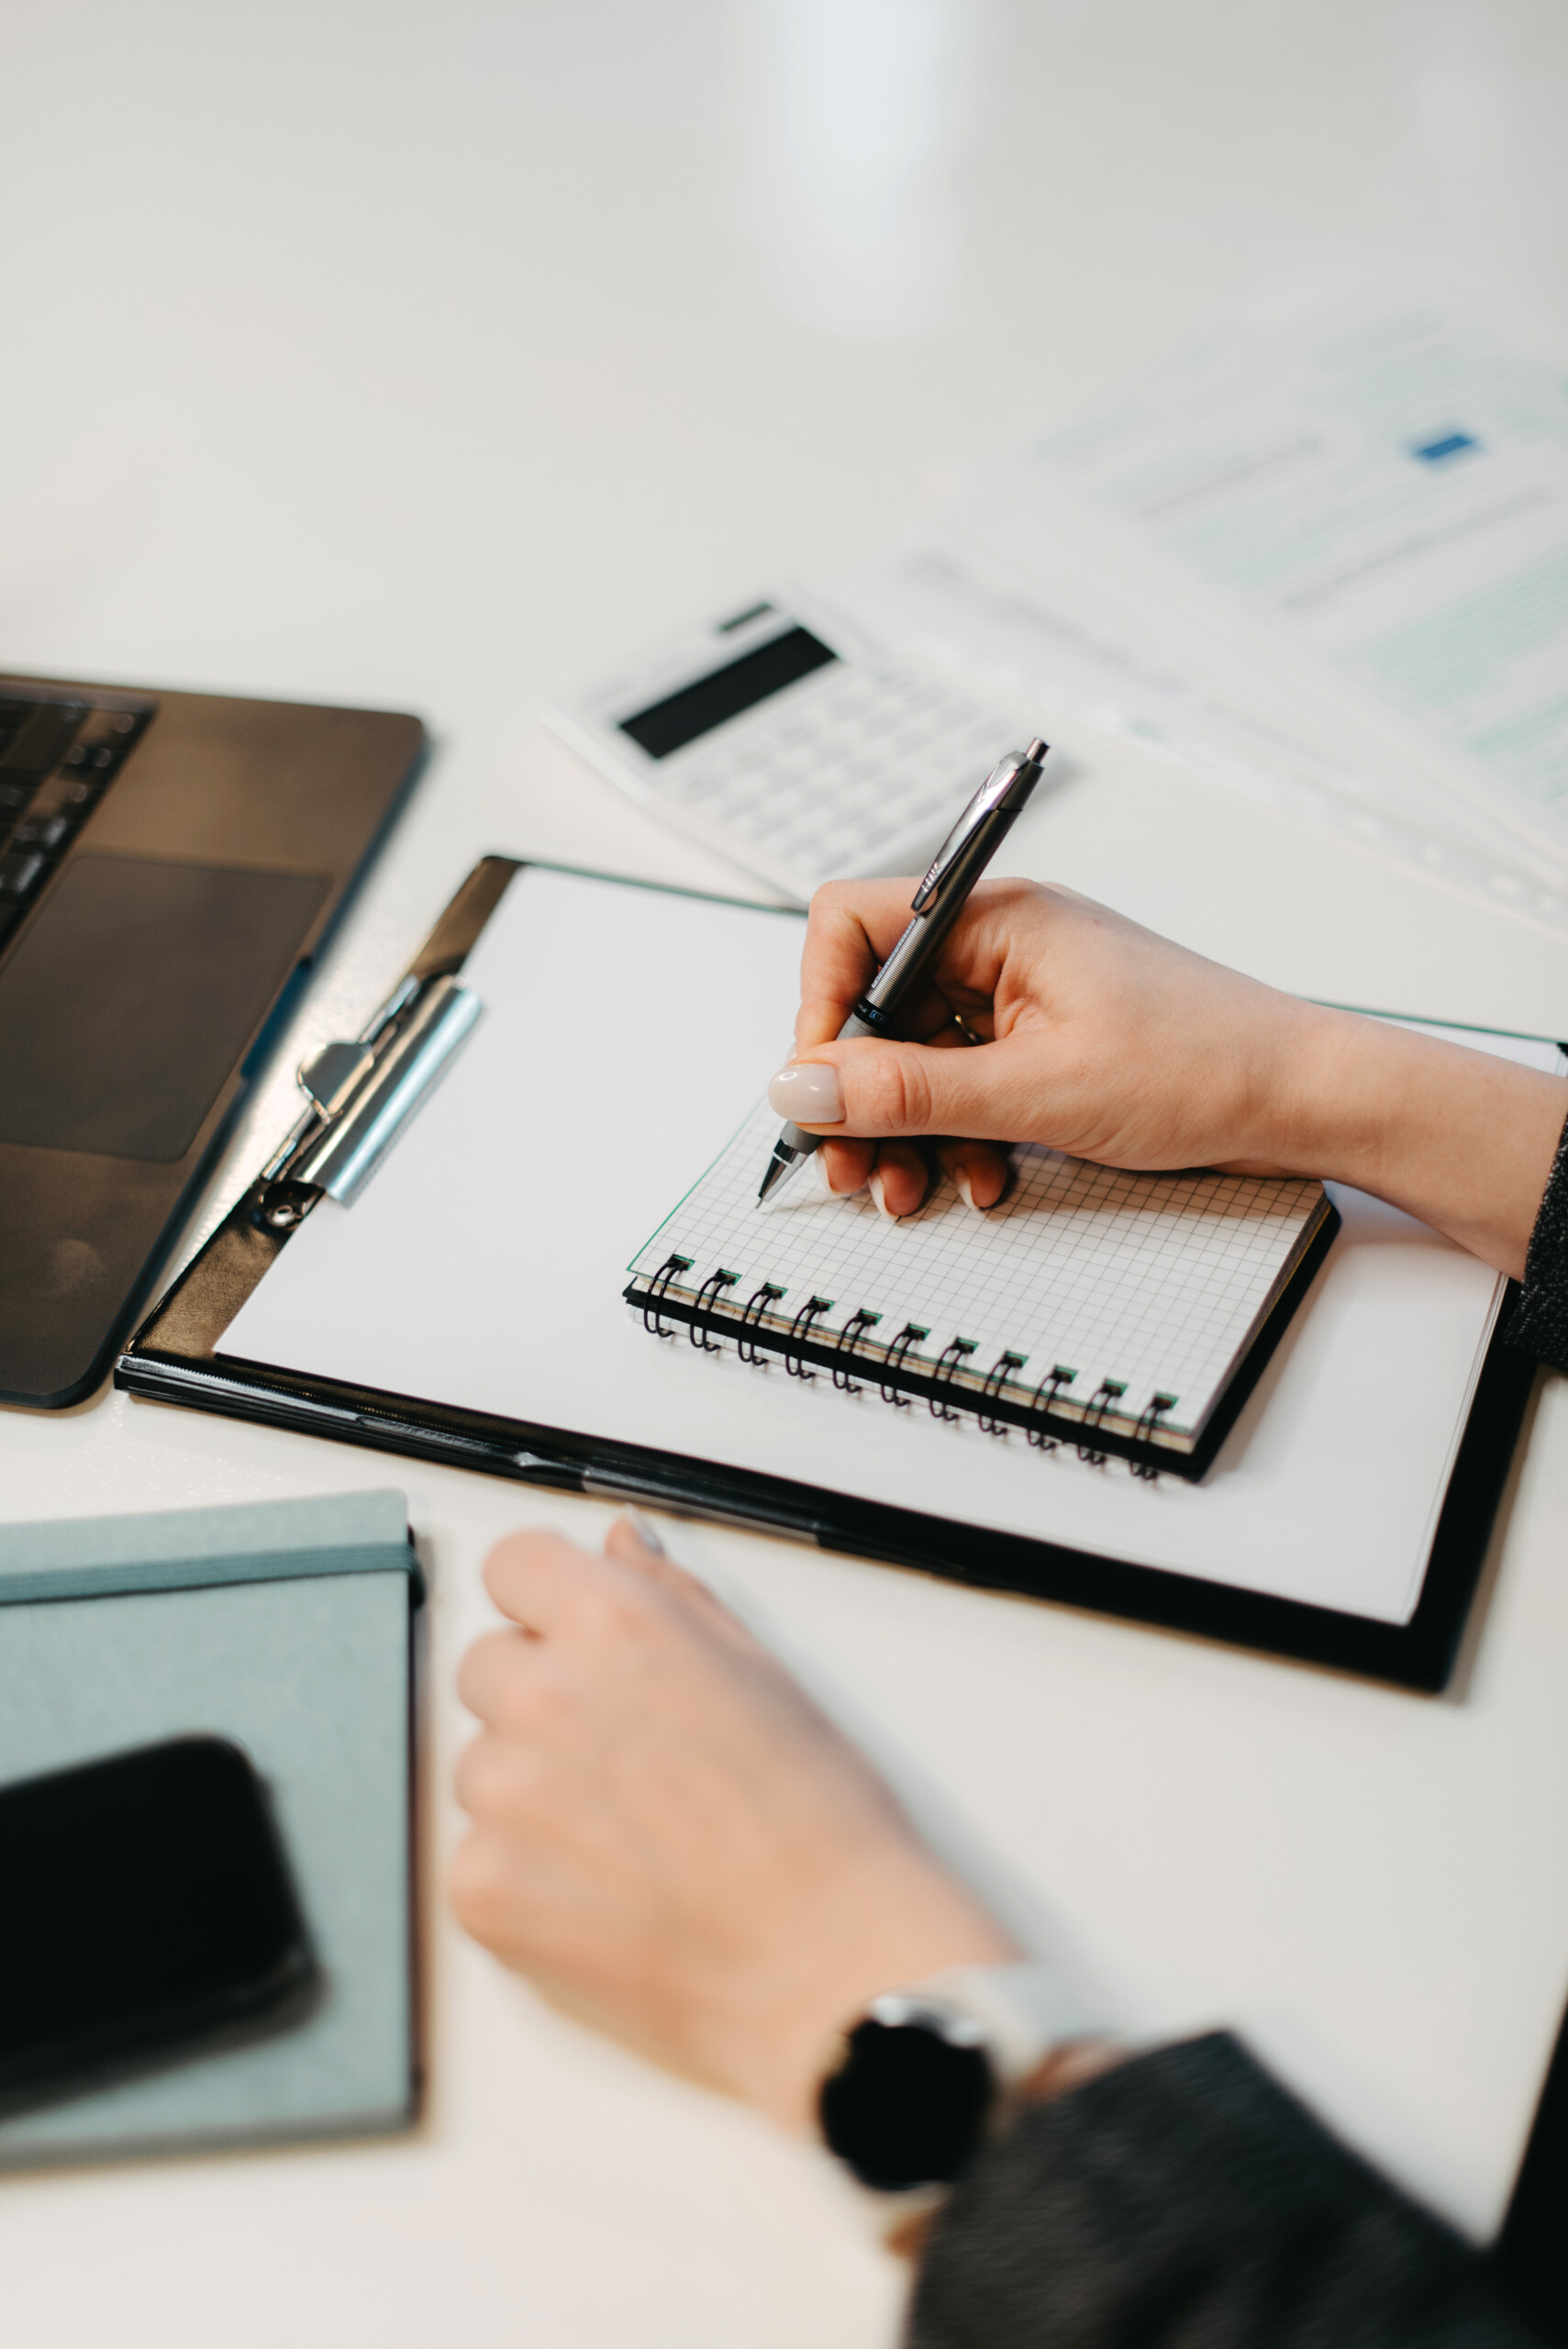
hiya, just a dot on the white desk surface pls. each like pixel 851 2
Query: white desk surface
pixel 428 355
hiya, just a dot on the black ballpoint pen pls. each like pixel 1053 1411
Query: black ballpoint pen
pixel 938 902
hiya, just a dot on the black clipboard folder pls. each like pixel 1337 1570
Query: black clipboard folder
pixel 173 1358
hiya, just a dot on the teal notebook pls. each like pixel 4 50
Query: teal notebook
pixel 286 1626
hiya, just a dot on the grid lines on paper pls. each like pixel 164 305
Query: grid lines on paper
pixel 1152 1280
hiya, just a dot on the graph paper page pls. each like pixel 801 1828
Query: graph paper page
pixel 1154 1282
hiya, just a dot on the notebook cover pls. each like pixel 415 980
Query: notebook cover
pixel 191 1548
pixel 301 1654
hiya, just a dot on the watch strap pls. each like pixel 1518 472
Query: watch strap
pixel 1020 2009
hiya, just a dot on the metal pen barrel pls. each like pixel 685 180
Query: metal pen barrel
pixel 940 900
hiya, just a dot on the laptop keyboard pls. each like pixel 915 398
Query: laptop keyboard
pixel 57 760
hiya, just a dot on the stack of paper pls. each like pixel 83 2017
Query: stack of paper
pixel 1324 564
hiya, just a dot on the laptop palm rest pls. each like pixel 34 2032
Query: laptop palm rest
pixel 132 994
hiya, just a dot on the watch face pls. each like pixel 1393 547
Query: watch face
pixel 906 2106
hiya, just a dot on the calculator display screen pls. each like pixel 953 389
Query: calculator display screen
pixel 669 725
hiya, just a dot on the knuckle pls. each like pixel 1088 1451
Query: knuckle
pixel 1013 900
pixel 481 1667
pixel 916 1084
pixel 870 1107
pixel 513 1550
pixel 482 1778
pixel 616 1607
pixel 542 1715
pixel 619 1619
pixel 897 1098
pixel 477 1886
pixel 689 1588
pixel 520 1563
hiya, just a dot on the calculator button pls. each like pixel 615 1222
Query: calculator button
pixel 769 823
pixel 695 786
pixel 735 815
pixel 817 780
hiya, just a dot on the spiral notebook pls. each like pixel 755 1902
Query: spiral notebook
pixel 1122 1310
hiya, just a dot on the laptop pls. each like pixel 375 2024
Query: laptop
pixel 170 864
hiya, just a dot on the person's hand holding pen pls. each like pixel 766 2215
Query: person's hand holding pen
pixel 1102 1040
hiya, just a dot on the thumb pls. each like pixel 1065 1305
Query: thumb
pixel 870 1088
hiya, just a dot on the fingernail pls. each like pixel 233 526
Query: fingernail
pixel 808 1092
pixel 964 1189
pixel 874 1188
pixel 819 1181
pixel 645 1532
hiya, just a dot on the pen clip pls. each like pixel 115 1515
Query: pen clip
pixel 985 802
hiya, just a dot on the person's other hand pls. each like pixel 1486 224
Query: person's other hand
pixel 1103 1041
pixel 671 1840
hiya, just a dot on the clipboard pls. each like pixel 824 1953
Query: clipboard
pixel 359 1094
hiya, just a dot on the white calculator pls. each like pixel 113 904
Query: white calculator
pixel 776 738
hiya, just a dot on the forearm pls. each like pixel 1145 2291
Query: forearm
pixel 1187 2197
pixel 1462 1139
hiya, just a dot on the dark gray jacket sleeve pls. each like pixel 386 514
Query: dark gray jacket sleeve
pixel 1541 1322
pixel 1188 2201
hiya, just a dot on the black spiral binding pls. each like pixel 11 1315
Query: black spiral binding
pixel 757 1305
pixel 848 1338
pixel 941 1374
pixel 910 1335
pixel 800 1330
pixel 701 1311
pixel 1144 1433
pixel 656 1288
pixel 1045 1395
pixel 1108 1391
pixel 960 1349
pixel 996 1379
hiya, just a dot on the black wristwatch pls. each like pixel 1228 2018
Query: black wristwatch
pixel 927 2072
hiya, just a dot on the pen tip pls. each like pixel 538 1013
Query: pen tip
pixel 778 1166
pixel 1036 751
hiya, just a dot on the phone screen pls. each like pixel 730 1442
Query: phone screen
pixel 147 1912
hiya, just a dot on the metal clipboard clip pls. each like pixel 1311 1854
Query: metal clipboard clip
pixel 362 1094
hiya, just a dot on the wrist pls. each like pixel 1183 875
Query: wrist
pixel 1337 1097
pixel 917 1922
pixel 1279 1056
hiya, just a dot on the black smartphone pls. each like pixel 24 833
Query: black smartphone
pixel 147 1914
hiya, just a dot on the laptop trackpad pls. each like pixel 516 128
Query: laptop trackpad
pixel 131 995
